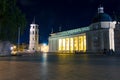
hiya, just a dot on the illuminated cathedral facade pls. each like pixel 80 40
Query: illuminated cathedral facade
pixel 98 36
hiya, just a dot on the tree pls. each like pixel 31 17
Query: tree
pixel 10 19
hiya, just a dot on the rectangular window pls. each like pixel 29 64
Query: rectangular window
pixel 36 32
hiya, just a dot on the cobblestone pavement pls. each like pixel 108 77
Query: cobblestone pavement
pixel 60 67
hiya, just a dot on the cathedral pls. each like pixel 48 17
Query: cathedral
pixel 101 34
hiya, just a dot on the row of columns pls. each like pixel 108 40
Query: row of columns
pixel 68 44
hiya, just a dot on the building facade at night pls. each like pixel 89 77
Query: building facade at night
pixel 34 44
pixel 34 37
pixel 98 36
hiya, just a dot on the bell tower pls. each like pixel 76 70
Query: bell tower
pixel 34 36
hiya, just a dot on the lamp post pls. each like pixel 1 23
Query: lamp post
pixel 18 37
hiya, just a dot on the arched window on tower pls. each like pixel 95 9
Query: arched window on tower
pixel 33 32
pixel 36 32
pixel 33 38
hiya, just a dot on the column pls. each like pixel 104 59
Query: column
pixel 111 39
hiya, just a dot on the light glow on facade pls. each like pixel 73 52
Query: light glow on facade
pixel 76 43
pixel 72 44
pixel 60 44
pixel 44 48
pixel 67 44
pixel 13 50
pixel 63 45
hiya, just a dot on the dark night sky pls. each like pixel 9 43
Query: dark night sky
pixel 68 14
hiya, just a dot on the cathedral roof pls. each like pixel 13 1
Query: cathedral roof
pixel 101 16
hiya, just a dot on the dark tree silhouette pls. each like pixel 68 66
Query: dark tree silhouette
pixel 10 19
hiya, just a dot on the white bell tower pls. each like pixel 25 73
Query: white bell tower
pixel 34 37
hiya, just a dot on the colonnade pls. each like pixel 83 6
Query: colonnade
pixel 71 44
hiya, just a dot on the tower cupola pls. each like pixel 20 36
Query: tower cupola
pixel 101 16
pixel 100 9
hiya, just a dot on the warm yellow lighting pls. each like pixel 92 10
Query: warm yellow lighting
pixel 77 43
pixel 67 44
pixel 71 44
pixel 13 50
pixel 60 44
pixel 14 47
pixel 44 48
pixel 82 43
pixel 63 40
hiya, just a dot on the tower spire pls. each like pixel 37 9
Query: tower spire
pixel 100 9
pixel 60 28
pixel 52 30
pixel 33 20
